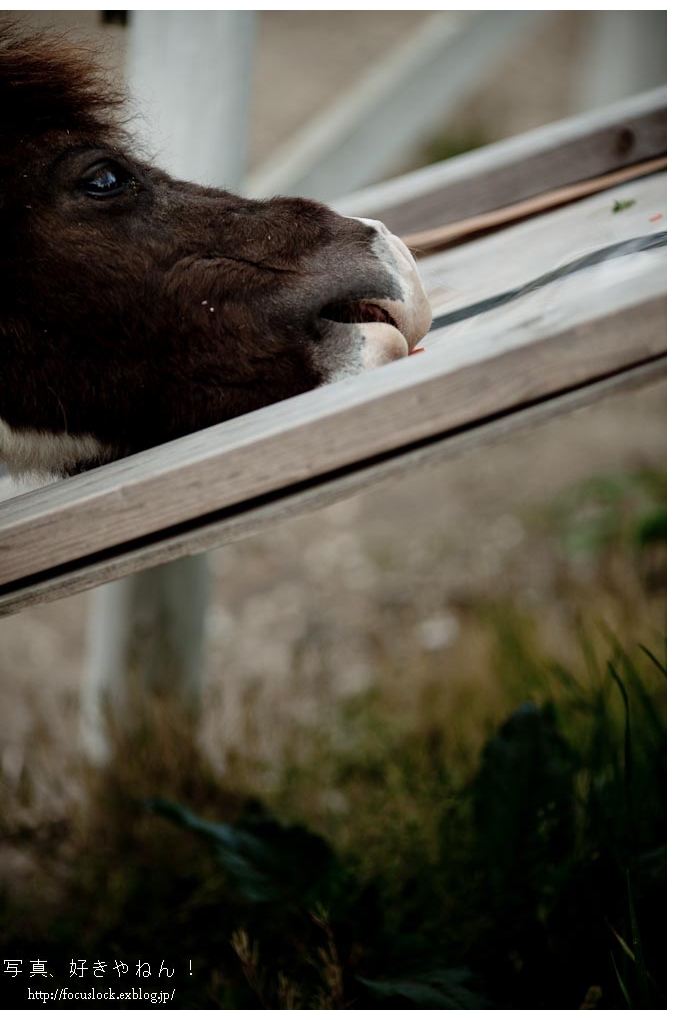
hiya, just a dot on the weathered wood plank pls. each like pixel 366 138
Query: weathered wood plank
pixel 111 565
pixel 319 432
pixel 601 323
pixel 518 168
pixel 452 233
pixel 475 271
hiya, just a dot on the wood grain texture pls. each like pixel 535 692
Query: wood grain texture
pixel 583 331
pixel 511 257
pixel 110 565
pixel 322 432
pixel 517 169
pixel 439 237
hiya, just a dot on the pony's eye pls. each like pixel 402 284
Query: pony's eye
pixel 105 181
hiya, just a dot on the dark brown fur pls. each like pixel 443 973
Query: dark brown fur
pixel 165 308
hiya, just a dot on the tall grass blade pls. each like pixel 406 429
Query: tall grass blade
pixel 621 984
pixel 657 663
pixel 623 944
pixel 642 973
pixel 627 740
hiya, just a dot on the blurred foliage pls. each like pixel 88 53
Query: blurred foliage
pixel 619 206
pixel 447 146
pixel 626 509
pixel 504 848
pixel 533 878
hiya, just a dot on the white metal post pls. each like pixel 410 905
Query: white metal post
pixel 190 80
pixel 622 53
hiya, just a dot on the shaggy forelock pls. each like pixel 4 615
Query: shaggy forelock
pixel 50 83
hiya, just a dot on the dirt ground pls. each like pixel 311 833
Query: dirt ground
pixel 295 611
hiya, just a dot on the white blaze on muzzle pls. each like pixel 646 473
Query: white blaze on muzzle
pixel 411 315
pixel 374 330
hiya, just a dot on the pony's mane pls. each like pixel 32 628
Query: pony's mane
pixel 49 82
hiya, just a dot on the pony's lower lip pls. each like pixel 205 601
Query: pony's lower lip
pixel 381 344
pixel 373 343
pixel 367 314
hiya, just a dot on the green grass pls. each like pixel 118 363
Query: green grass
pixel 484 828
pixel 531 876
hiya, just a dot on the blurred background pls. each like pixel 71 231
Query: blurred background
pixel 435 710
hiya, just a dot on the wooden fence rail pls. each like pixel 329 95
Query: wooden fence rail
pixel 539 344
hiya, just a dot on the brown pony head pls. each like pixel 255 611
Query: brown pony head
pixel 135 308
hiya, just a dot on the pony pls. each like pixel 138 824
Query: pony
pixel 136 308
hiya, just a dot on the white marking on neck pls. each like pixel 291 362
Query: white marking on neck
pixel 27 451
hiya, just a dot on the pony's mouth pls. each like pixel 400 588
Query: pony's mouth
pixel 385 335
pixel 382 329
pixel 357 311
pixel 379 323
